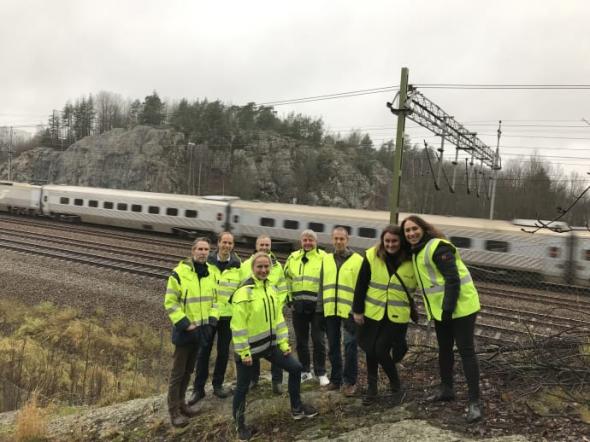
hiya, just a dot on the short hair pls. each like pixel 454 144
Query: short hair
pixel 259 255
pixel 225 232
pixel 308 232
pixel 342 228
pixel 263 236
pixel 201 239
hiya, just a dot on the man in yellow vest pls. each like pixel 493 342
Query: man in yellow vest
pixel 225 265
pixel 190 304
pixel 302 271
pixel 340 271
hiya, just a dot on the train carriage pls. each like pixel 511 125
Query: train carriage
pixel 20 198
pixel 159 212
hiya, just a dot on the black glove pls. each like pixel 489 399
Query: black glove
pixel 447 316
pixel 414 314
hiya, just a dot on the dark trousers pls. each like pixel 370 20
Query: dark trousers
pixel 183 364
pixel 333 330
pixel 244 377
pixel 223 333
pixel 302 322
pixel 384 343
pixel 459 331
pixel 276 372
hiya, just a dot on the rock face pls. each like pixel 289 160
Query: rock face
pixel 265 166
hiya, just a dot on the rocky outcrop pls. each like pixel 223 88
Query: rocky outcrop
pixel 259 166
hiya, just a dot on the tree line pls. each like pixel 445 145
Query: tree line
pixel 531 188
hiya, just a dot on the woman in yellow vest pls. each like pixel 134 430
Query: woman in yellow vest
pixel 259 331
pixel 452 301
pixel 382 308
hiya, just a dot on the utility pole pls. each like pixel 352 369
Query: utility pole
pixel 401 112
pixel 496 168
pixel 10 156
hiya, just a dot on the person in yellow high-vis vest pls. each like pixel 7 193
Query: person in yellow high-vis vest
pixel 382 307
pixel 259 331
pixel 338 277
pixel 276 277
pixel 191 306
pixel 452 301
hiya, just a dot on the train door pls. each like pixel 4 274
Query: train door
pixel 581 259
pixel 556 257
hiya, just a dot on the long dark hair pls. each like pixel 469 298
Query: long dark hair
pixel 397 231
pixel 429 230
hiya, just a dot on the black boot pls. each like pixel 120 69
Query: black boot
pixel 221 392
pixel 244 433
pixel 474 412
pixel 444 393
pixel 398 394
pixel 177 419
pixel 371 395
pixel 196 397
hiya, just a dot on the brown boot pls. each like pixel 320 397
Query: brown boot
pixel 177 419
pixel 188 411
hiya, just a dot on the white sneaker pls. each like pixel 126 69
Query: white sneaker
pixel 323 380
pixel 306 376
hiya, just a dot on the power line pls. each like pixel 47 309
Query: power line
pixel 521 86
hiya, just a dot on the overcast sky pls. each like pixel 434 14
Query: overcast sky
pixel 241 51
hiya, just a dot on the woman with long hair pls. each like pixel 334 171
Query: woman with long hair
pixel 382 308
pixel 452 301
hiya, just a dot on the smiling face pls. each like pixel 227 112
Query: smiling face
pixel 261 267
pixel 263 244
pixel 200 251
pixel 225 245
pixel 413 232
pixel 391 243
pixel 308 243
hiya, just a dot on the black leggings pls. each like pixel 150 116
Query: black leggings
pixel 458 331
pixel 384 343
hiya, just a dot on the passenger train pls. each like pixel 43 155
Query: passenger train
pixel 498 247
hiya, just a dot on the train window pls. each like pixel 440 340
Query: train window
pixel 367 232
pixel 190 213
pixel 92 203
pixel 121 206
pixel 587 254
pixel 107 205
pixel 64 200
pixel 497 246
pixel 291 224
pixel 154 210
pixel 267 222
pixel 236 218
pixel 171 211
pixel 316 227
pixel 347 228
pixel 461 241
pixel 136 208
pixel 79 202
pixel 554 252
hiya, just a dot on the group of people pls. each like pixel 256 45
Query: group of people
pixel 354 300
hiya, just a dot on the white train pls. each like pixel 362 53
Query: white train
pixel 495 246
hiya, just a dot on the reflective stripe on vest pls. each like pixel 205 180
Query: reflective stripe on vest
pixel 386 294
pixel 338 284
pixel 432 283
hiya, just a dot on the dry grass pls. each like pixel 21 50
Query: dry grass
pixel 31 422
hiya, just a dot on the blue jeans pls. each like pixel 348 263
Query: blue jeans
pixel 223 333
pixel 275 372
pixel 244 377
pixel 350 373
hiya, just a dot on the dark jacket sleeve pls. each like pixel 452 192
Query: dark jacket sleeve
pixel 444 259
pixel 362 285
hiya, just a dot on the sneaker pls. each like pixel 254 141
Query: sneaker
pixel 324 381
pixel 304 411
pixel 349 390
pixel 474 412
pixel 444 393
pixel 397 398
pixel 370 396
pixel 306 376
pixel 244 433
